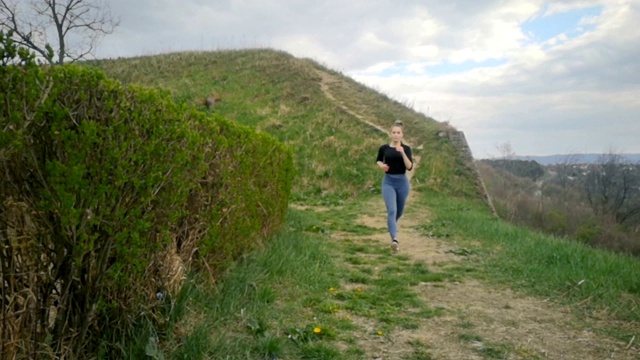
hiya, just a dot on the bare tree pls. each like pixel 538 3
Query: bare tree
pixel 612 187
pixel 58 30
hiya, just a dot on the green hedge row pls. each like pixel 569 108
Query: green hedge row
pixel 109 196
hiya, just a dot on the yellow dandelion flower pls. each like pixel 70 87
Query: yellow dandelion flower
pixel 332 289
pixel 317 330
pixel 359 289
pixel 379 333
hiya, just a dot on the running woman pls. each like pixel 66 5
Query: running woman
pixel 395 160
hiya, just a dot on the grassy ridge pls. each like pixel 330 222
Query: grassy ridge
pixel 279 94
pixel 441 167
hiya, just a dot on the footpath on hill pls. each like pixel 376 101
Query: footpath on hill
pixel 531 328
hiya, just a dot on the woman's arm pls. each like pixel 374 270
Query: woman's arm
pixel 380 159
pixel 406 156
pixel 407 162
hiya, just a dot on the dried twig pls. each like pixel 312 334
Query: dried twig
pixel 630 342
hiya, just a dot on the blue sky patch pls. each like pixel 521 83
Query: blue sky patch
pixel 453 68
pixel 403 69
pixel 546 27
pixel 394 70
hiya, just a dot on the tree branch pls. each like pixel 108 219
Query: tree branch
pixel 69 19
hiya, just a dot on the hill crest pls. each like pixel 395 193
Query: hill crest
pixel 331 121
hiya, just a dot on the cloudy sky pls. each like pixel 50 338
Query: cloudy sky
pixel 545 77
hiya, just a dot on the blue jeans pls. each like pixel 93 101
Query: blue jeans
pixel 395 190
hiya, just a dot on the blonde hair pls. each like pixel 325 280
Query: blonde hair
pixel 399 124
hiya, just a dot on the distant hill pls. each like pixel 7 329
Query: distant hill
pixel 573 158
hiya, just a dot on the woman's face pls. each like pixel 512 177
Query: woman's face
pixel 396 133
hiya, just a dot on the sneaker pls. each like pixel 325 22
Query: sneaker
pixel 395 246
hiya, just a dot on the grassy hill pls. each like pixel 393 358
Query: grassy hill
pixel 315 110
pixel 464 286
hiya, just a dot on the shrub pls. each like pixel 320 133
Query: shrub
pixel 588 232
pixel 610 237
pixel 108 195
pixel 246 188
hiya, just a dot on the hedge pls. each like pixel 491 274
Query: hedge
pixel 109 197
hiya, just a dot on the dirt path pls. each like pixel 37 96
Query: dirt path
pixel 479 319
pixel 325 82
pixel 523 327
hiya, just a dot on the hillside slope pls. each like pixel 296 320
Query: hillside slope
pixel 315 110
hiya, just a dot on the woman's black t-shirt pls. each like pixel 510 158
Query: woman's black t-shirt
pixel 393 158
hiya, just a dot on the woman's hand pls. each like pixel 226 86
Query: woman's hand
pixel 383 166
pixel 400 149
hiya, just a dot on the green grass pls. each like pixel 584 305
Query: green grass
pixel 271 301
pixel 495 351
pixel 303 280
pixel 469 337
pixel 249 311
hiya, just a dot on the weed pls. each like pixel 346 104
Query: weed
pixel 470 337
pixel 495 351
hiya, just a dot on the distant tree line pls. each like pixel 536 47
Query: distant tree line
pixel 596 203
pixel 523 168
pixel 611 186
